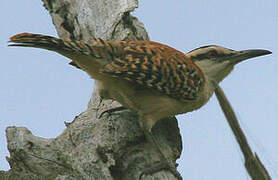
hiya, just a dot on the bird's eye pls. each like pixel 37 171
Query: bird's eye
pixel 212 54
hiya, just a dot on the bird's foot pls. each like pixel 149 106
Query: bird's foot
pixel 159 166
pixel 110 111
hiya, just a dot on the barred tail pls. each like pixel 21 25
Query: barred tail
pixel 64 47
pixel 84 56
pixel 38 41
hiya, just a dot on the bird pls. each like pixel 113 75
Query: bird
pixel 152 79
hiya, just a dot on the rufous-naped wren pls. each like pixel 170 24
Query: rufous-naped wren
pixel 150 78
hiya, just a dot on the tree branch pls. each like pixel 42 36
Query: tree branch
pixel 253 165
pixel 91 147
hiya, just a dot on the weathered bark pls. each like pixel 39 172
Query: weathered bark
pixel 92 147
pixel 253 164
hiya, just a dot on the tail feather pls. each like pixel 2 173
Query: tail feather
pixel 64 47
pixel 87 57
pixel 37 41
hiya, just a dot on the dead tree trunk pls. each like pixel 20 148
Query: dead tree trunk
pixel 92 147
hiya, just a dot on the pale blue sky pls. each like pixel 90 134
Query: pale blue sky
pixel 40 91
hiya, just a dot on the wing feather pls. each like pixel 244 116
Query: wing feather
pixel 158 67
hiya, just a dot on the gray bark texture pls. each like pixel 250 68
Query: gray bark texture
pixel 111 146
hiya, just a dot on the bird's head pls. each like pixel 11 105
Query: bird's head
pixel 217 62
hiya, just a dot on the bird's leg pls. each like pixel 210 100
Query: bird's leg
pixel 104 94
pixel 165 163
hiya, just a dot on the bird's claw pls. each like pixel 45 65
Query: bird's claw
pixel 109 111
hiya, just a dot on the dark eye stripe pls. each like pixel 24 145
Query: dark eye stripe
pixel 208 55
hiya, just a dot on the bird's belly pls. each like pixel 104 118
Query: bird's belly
pixel 148 102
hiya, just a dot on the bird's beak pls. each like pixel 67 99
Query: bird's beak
pixel 240 56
